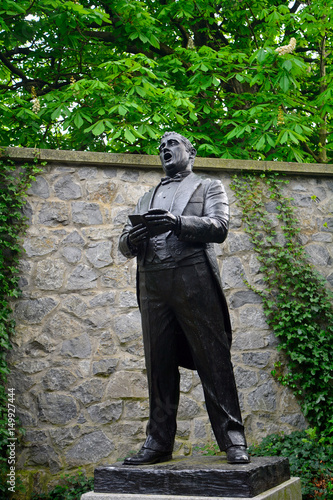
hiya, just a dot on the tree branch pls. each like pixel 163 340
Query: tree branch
pixel 294 8
pixel 308 59
pixel 20 14
pixel 17 50
pixel 250 26
pixel 199 31
pixel 309 150
pixel 218 31
pixel 12 68
pixel 106 36
pixel 184 34
pixel 305 49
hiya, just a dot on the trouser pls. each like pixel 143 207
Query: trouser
pixel 186 300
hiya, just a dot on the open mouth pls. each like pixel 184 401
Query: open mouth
pixel 167 156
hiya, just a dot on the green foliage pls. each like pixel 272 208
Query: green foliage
pixel 309 458
pixel 14 183
pixel 112 76
pixel 209 449
pixel 71 488
pixel 296 301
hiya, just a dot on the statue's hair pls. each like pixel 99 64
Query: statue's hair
pixel 191 149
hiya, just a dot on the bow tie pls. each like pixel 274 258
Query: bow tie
pixel 177 178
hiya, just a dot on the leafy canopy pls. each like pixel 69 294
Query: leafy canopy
pixel 112 75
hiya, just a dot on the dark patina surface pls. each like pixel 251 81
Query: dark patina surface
pixel 185 317
pixel 205 475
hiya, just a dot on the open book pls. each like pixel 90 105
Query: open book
pixel 153 229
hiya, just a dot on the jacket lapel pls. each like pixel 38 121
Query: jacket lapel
pixel 182 196
pixel 184 192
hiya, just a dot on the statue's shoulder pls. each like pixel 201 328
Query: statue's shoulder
pixel 149 192
pixel 145 198
pixel 207 181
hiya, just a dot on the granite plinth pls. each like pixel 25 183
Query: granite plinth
pixel 208 476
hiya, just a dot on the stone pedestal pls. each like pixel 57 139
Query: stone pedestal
pixel 289 490
pixel 204 476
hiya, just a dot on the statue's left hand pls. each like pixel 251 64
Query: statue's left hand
pixel 161 220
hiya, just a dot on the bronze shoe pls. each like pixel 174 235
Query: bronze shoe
pixel 146 456
pixel 237 455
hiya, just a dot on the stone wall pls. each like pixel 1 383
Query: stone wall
pixel 77 363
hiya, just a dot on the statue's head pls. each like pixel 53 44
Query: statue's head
pixel 176 153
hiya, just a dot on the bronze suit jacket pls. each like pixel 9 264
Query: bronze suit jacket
pixel 202 205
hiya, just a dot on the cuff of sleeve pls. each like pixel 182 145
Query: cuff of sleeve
pixel 133 249
pixel 178 226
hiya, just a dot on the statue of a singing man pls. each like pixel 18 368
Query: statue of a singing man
pixel 185 319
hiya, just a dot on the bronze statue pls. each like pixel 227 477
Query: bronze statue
pixel 185 319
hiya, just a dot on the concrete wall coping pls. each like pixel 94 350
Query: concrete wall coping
pixel 76 158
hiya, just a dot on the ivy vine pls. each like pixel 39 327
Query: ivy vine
pixel 14 183
pixel 296 300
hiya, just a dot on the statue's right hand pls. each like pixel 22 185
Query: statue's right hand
pixel 137 235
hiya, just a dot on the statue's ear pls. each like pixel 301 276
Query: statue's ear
pixel 193 152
